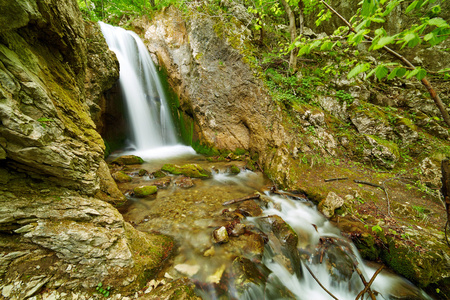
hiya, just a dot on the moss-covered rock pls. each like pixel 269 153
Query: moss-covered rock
pixel 234 169
pixel 189 170
pixel 120 176
pixel 159 174
pixel 128 160
pixel 143 172
pixel 145 190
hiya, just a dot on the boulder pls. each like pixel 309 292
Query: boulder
pixel 121 176
pixel 144 191
pixel 128 160
pixel 328 205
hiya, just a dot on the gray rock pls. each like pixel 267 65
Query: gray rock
pixel 330 204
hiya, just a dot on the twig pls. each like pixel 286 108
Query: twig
pixel 335 179
pixel 255 196
pixel 367 287
pixel 317 280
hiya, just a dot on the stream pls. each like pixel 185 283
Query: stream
pixel 274 246
pixel 265 269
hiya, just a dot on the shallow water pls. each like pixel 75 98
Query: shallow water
pixel 190 216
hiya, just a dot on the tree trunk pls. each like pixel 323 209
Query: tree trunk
pixel 152 3
pixel 301 19
pixel 293 33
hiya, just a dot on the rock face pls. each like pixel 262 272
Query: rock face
pixel 216 88
pixel 54 230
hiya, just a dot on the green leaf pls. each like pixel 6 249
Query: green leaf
pixel 438 22
pixel 411 6
pixel 385 40
pixel 429 36
pixel 401 72
pixel 392 74
pixel 421 74
pixel 412 39
pixel 358 69
pixel 326 46
pixel 377 20
pixel 413 73
pixel 381 71
pixel 304 50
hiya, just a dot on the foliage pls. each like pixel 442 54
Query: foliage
pixel 104 291
pixel 113 11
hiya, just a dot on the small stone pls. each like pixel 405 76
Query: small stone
pixel 184 182
pixel 234 169
pixel 144 191
pixel 238 229
pixel 220 235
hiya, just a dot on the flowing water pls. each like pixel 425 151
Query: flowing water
pixel 252 264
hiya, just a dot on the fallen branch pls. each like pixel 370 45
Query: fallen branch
pixel 366 284
pixel 367 287
pixel 437 100
pixel 251 197
pixel 317 280
pixel 335 179
pixel 369 183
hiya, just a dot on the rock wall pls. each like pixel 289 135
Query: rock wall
pixel 229 108
pixel 54 229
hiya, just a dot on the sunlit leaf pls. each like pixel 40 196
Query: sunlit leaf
pixel 413 73
pixel 438 22
pixel 385 40
pixel 411 6
pixel 358 69
pixel 381 72
pixel 421 74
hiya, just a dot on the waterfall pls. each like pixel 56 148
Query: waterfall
pixel 148 111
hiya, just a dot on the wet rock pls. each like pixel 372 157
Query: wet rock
pixel 234 169
pixel 159 174
pixel 284 239
pixel 144 191
pixel 184 182
pixel 189 170
pixel 249 208
pixel 128 160
pixel 121 176
pixel 330 204
pixel 142 172
pixel 238 230
pixel 162 183
pixel 220 235
pixel 247 273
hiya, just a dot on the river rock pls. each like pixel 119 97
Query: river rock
pixel 246 273
pixel 128 160
pixel 162 183
pixel 184 182
pixel 330 204
pixel 144 191
pixel 220 235
pixel 189 170
pixel 121 176
pixel 158 174
pixel 233 169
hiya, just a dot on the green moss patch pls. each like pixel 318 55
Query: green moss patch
pixel 189 170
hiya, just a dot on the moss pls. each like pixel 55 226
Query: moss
pixel 367 247
pixel 393 147
pixel 120 176
pixel 189 170
pixel 205 149
pixel 159 174
pixel 128 160
pixel 235 170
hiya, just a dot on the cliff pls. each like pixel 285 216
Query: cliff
pixel 56 230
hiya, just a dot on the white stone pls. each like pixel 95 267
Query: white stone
pixel 188 270
pixel 330 204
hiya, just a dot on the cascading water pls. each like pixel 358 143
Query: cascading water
pixel 148 111
pixel 152 129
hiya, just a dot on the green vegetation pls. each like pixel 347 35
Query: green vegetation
pixel 104 291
